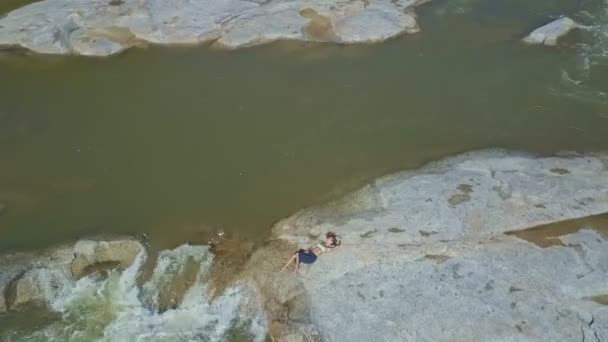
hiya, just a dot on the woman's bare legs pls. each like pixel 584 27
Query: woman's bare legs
pixel 297 269
pixel 294 257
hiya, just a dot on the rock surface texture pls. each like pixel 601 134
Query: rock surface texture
pixel 425 256
pixel 551 33
pixel 106 27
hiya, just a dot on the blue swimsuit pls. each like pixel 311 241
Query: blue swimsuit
pixel 308 257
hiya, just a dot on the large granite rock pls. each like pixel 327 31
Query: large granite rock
pixel 550 33
pixel 425 258
pixel 93 255
pixel 106 27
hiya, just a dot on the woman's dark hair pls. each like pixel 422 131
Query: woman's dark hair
pixel 334 239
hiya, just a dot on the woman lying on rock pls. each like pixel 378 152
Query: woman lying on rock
pixel 309 256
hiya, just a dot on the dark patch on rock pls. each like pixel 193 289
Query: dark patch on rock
pixel 519 328
pixel 396 230
pixel 116 2
pixel 368 234
pixel 427 234
pixel 489 286
pixel 438 258
pixel 457 199
pixel 102 269
pixel 502 193
pixel 455 270
pixel 513 305
pixel 514 289
pixel 360 295
pixel 540 206
pixel 560 171
pixel 381 293
pixel 462 197
pixel 465 188
pixel 428 200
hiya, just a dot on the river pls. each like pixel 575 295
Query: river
pixel 178 143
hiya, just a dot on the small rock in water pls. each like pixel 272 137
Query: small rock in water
pixel 550 34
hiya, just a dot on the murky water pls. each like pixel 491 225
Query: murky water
pixel 178 142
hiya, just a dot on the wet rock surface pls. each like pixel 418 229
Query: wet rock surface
pixel 425 256
pixel 102 27
pixel 92 255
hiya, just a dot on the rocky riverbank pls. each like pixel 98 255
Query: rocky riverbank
pixel 425 256
pixel 103 27
pixel 464 249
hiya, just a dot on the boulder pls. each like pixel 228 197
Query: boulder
pixel 39 285
pixel 550 33
pixel 425 257
pixel 102 27
pixel 33 277
pixel 91 255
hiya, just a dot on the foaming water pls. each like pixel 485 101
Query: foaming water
pixel 577 82
pixel 117 309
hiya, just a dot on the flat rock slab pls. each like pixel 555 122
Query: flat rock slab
pixel 502 291
pixel 473 196
pixel 425 257
pixel 106 27
pixel 551 33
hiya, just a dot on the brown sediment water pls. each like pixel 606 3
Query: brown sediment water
pixel 9 5
pixel 178 143
pixel 548 235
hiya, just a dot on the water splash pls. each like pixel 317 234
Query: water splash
pixel 576 82
pixel 117 309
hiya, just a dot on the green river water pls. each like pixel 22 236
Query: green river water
pixel 179 142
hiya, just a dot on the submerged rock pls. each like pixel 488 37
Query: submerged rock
pixel 102 27
pixel 425 256
pixel 550 33
pixel 37 286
